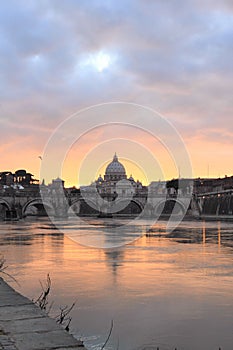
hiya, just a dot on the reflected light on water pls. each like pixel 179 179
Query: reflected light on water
pixel 203 232
pixel 161 290
pixel 219 234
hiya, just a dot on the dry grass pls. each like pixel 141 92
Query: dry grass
pixel 108 337
pixel 42 300
pixel 3 268
pixel 63 318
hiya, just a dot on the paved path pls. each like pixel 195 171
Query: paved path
pixel 23 326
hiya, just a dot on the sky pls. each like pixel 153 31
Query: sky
pixel 61 57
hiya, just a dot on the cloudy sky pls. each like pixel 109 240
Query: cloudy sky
pixel 174 56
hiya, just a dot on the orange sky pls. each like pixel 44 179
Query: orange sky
pixel 143 156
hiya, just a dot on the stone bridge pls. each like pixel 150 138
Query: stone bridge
pixel 60 203
pixel 218 204
pixel 19 204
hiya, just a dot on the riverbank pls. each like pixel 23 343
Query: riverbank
pixel 23 326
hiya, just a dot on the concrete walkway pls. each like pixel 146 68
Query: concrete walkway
pixel 23 326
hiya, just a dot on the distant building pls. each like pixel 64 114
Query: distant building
pixel 157 187
pixel 205 185
pixel 115 181
pixel 20 179
pixel 6 178
pixel 179 187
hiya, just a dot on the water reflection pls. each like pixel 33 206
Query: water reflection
pixel 114 259
pixel 204 233
pixel 219 233
pixel 167 290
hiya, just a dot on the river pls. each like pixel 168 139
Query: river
pixel 161 290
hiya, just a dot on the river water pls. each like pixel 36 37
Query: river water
pixel 161 290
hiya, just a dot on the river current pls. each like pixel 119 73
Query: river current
pixel 167 290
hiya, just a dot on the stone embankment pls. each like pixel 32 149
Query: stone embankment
pixel 23 326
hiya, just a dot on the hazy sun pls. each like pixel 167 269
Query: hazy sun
pixel 99 61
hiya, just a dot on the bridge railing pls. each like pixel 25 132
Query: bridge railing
pixel 214 193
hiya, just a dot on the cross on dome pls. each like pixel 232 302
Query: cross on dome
pixel 115 158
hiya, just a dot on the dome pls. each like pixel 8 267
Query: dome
pixel 115 167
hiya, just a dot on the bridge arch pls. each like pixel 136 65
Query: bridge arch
pixel 39 204
pixel 5 204
pixel 132 207
pixel 74 207
pixel 167 206
pixel 140 205
pixel 82 207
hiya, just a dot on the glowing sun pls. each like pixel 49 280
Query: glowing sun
pixel 99 61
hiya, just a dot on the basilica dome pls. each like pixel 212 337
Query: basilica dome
pixel 115 167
